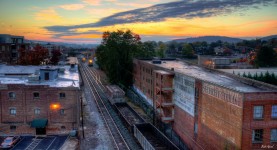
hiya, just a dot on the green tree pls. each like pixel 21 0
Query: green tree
pixel 249 75
pixel 273 79
pixel 266 57
pixel 188 51
pixel 115 55
pixel 160 51
pixel 244 75
pixel 255 76
pixel 148 49
pixel 267 77
pixel 261 77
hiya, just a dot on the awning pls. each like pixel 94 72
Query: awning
pixel 39 123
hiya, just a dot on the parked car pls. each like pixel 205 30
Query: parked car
pixel 9 142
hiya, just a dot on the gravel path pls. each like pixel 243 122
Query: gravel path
pixel 96 133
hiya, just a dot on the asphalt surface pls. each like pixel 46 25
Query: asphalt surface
pixel 53 142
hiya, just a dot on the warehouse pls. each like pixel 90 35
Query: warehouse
pixel 39 100
pixel 209 109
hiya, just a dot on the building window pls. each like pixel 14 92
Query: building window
pixel 257 135
pixel 12 128
pixel 273 135
pixel 63 127
pixel 37 111
pixel 62 111
pixel 36 94
pixel 12 95
pixel 258 112
pixel 274 111
pixel 62 95
pixel 13 111
pixel 195 128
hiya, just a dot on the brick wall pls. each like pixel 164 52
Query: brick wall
pixel 267 123
pixel 25 105
pixel 184 126
pixel 220 123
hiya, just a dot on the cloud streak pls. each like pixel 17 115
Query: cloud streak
pixel 72 6
pixel 187 9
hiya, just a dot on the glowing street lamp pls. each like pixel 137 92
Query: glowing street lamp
pixel 55 106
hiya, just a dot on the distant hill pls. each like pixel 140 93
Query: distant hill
pixel 72 45
pixel 209 39
pixel 269 37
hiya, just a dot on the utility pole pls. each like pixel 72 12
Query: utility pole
pixel 82 116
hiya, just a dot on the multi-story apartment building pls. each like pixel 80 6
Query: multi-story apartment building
pixel 50 47
pixel 209 109
pixel 9 47
pixel 39 99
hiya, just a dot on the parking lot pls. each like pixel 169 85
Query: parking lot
pixel 53 142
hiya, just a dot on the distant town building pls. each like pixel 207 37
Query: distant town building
pixel 9 47
pixel 39 100
pixel 224 62
pixel 208 109
pixel 50 47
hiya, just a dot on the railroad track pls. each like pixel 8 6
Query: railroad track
pixel 120 135
pixel 130 115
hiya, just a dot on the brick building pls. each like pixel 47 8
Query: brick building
pixel 209 109
pixel 39 99
pixel 9 47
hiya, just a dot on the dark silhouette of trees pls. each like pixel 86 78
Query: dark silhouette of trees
pixel 266 57
pixel 160 50
pixel 115 55
pixel 35 56
pixel 56 54
pixel 147 49
pixel 267 77
pixel 188 51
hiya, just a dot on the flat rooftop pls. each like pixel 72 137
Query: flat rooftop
pixel 20 74
pixel 211 76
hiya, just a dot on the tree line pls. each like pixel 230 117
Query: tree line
pixel 264 77
pixel 38 55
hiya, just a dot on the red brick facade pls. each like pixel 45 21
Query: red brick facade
pixel 25 104
pixel 267 100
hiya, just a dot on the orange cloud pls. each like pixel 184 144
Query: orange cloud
pixel 92 2
pixel 83 36
pixel 49 15
pixel 72 6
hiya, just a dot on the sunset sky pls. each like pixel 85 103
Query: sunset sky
pixel 83 21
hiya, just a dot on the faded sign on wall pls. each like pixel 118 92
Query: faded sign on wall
pixel 223 94
pixel 184 94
